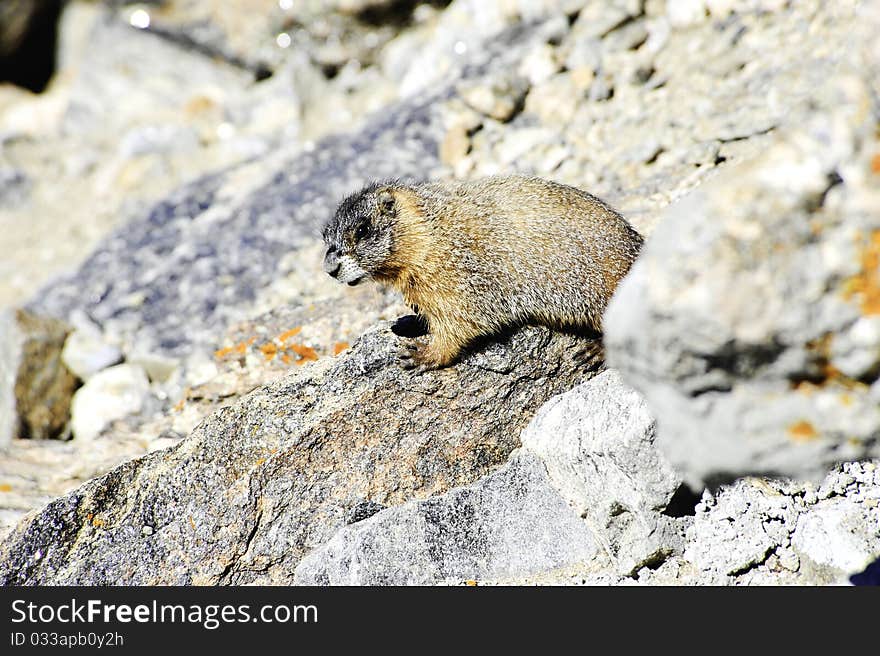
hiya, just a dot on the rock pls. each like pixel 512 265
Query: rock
pixel 597 442
pixel 145 88
pixel 35 386
pixel 158 368
pixel 642 114
pixel 363 510
pixel 540 64
pixel 628 37
pixel 842 533
pixel 235 32
pixel 499 99
pixel 683 13
pixel 518 142
pixel 455 145
pixel 261 482
pixel 106 396
pixel 740 528
pixel 586 479
pixel 85 353
pixel 599 19
pixel 464 28
pixel 164 103
pixel 556 100
pixel 509 524
pixel 583 54
pixel 749 529
pixel 752 333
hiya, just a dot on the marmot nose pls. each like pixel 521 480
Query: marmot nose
pixel 331 263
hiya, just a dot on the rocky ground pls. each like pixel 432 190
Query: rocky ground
pixel 236 418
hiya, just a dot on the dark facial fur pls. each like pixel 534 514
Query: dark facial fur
pixel 359 237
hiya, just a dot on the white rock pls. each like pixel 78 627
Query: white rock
pixel 856 351
pixel 539 65
pixel 109 395
pixel 159 368
pixel 519 142
pixel 199 370
pixel 839 534
pixel 682 13
pixel 86 353
pixel 596 442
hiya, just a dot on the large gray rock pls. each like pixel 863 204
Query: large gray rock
pixel 750 321
pixel 597 442
pixel 588 479
pixel 261 482
pixel 510 524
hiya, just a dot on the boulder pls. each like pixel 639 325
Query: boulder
pixel 259 483
pixel 587 485
pixel 509 524
pixel 750 321
pixel 111 394
pixel 597 443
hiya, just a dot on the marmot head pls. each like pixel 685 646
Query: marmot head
pixel 359 237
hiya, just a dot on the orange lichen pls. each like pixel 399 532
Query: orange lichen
pixel 191 522
pixel 222 353
pixel 286 359
pixel 97 522
pixel 865 285
pixel 832 373
pixel 303 351
pixel 802 431
pixel 875 163
pixel 5 487
pixel 269 350
pixel 287 334
pixel 470 582
pixel 339 347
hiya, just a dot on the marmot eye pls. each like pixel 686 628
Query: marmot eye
pixel 361 231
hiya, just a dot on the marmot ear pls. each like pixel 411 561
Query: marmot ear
pixel 385 199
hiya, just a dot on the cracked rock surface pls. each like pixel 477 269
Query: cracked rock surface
pixel 259 483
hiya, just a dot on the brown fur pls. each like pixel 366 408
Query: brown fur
pixel 477 257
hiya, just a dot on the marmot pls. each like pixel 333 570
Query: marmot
pixel 474 258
